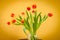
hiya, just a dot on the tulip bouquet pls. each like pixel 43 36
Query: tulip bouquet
pixel 32 22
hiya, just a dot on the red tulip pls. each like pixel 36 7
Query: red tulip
pixel 22 21
pixel 12 15
pixel 8 23
pixel 13 21
pixel 33 11
pixel 28 8
pixel 23 13
pixel 50 14
pixel 34 6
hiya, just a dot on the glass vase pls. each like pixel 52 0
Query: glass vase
pixel 32 37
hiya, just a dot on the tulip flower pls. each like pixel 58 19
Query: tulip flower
pixel 8 23
pixel 34 6
pixel 33 11
pixel 12 15
pixel 22 13
pixel 13 21
pixel 22 21
pixel 50 14
pixel 28 8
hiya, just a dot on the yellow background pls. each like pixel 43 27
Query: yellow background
pixel 49 30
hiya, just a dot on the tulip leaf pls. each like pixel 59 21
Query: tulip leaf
pixel 27 14
pixel 31 20
pixel 44 18
pixel 26 24
pixel 17 19
pixel 20 17
pixel 17 23
pixel 35 22
pixel 35 25
pixel 24 29
pixel 40 20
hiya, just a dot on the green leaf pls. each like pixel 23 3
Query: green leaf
pixel 27 14
pixel 40 20
pixel 38 17
pixel 31 19
pixel 44 18
pixel 17 19
pixel 35 16
pixel 35 22
pixel 31 16
pixel 18 23
pixel 26 24
pixel 20 17
pixel 24 29
pixel 39 14
pixel 27 19
pixel 36 25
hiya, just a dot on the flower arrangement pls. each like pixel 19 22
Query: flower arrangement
pixel 30 23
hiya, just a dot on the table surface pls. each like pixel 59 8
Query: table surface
pixel 27 39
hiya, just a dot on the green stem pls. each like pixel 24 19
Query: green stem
pixel 32 35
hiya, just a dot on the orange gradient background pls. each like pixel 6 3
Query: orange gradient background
pixel 49 30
